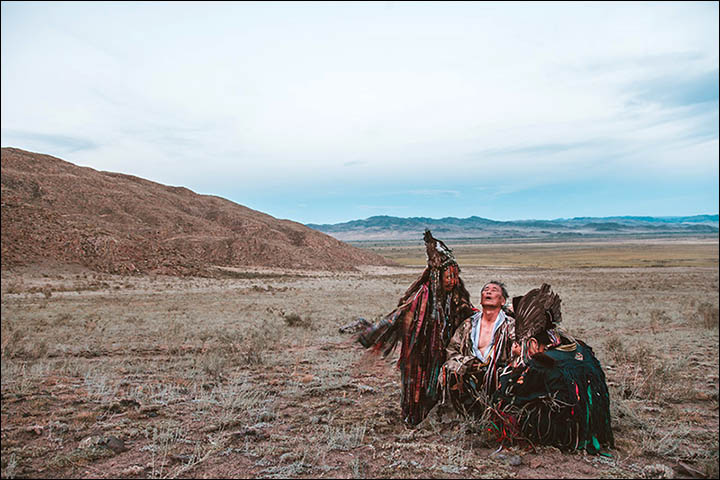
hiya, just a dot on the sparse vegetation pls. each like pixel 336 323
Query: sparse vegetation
pixel 248 376
pixel 708 314
pixel 295 320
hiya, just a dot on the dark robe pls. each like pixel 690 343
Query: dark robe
pixel 559 398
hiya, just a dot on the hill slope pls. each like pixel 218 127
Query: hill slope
pixel 54 211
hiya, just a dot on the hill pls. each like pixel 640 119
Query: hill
pixel 394 228
pixel 56 212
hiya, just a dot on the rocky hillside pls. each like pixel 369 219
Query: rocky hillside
pixel 56 212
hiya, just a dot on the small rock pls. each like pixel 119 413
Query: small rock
pixel 123 405
pixel 702 396
pixel 535 462
pixel 515 461
pixel 182 458
pixel 251 433
pixel 210 428
pixel 261 425
pixel 133 470
pixel 657 471
pixel 365 388
pixel 150 411
pixel 110 442
pixel 37 429
pixel 115 444
pixel 267 416
pixel 90 442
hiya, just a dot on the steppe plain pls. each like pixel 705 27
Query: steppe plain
pixel 245 374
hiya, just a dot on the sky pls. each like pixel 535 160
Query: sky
pixel 325 112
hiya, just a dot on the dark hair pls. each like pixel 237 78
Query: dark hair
pixel 542 337
pixel 500 284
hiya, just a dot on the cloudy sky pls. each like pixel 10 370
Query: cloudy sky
pixel 328 112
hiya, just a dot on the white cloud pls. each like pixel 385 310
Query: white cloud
pixel 252 92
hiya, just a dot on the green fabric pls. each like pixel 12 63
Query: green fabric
pixel 562 402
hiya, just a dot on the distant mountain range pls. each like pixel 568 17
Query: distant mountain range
pixel 397 228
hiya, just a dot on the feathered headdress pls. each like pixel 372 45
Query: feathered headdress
pixel 439 255
pixel 536 311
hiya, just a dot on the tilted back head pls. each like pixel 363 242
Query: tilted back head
pixel 500 284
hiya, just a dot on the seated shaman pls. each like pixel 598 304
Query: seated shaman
pixel 478 350
pixel 555 392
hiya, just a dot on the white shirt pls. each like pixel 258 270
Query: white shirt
pixel 475 335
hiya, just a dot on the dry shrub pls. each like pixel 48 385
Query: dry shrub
pixel 16 285
pixel 11 338
pixel 63 319
pixel 338 438
pixel 708 315
pixel 38 349
pixel 255 344
pixel 708 460
pixel 295 320
pixel 247 346
pixel 213 363
pixel 625 415
pixel 615 347
pixel 17 344
pixel 230 341
pixel 9 466
pixel 659 320
pixel 640 374
pixel 174 336
pixel 80 456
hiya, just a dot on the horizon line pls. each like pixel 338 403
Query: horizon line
pixel 523 219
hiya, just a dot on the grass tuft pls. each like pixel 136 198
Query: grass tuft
pixel 295 320
pixel 708 314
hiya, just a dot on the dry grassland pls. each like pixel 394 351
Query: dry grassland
pixel 589 254
pixel 247 376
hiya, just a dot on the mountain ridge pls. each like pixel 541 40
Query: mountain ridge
pixel 384 227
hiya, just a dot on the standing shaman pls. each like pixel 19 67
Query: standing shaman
pixel 423 322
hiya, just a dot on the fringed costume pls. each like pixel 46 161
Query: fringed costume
pixel 468 380
pixel 423 322
pixel 557 397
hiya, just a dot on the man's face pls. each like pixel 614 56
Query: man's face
pixel 449 278
pixel 491 296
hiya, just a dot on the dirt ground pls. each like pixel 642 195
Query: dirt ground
pixel 247 376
